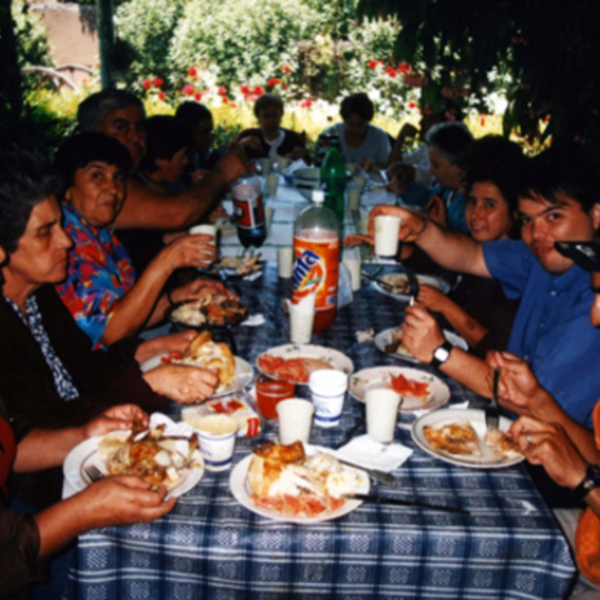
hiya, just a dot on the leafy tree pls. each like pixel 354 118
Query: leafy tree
pixel 547 54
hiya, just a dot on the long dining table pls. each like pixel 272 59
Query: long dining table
pixel 211 547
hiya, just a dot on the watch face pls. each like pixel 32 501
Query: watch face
pixel 441 354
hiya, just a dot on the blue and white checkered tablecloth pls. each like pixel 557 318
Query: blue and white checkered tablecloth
pixel 210 547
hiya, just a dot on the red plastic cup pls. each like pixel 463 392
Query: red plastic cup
pixel 270 393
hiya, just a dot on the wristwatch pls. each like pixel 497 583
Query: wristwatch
pixel 590 482
pixel 441 354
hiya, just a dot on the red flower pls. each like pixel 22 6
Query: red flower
pixel 233 105
pixel 412 105
pixel 258 90
pixel 273 82
pixel 225 99
pixel 482 121
pixel 372 64
pixel 188 90
pixel 158 82
pixel 284 87
pixel 147 84
pixel 382 62
pixel 391 71
pixel 245 89
pixel 250 98
pixel 287 69
pixel 198 96
pixel 221 91
pixel 161 95
pixel 192 72
pixel 306 104
pixel 403 67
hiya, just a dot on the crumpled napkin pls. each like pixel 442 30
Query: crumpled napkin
pixel 368 453
pixel 297 164
pixel 367 335
pixel 254 321
pixel 458 405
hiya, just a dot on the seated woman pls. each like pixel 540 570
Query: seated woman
pixel 269 139
pixel 101 289
pixel 361 143
pixel 27 540
pixel 49 376
pixel 477 308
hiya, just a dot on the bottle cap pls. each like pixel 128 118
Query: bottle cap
pixel 318 196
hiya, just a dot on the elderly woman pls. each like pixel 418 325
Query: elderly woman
pixel 101 289
pixel 269 139
pixel 361 143
pixel 49 376
pixel 28 540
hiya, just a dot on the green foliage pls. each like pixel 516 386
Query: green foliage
pixel 32 43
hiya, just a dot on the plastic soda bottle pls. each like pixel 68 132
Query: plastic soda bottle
pixel 247 199
pixel 317 254
pixel 333 179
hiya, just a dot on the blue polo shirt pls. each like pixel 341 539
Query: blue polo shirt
pixel 552 329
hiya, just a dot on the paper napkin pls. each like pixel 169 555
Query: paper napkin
pixel 366 452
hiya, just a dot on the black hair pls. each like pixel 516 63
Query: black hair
pixel 567 168
pixel 84 148
pixel 193 112
pixel 267 101
pixel 95 108
pixel 165 136
pixel 495 159
pixel 450 140
pixel 25 181
pixel 357 104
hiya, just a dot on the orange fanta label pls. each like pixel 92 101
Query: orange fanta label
pixel 316 267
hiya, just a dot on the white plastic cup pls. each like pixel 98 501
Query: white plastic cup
pixel 204 230
pixel 295 420
pixel 265 166
pixel 302 317
pixel 285 262
pixel 328 391
pixel 217 440
pixel 382 414
pixel 283 162
pixel 269 212
pixel 271 184
pixel 386 235
pixel 354 266
pixel 354 195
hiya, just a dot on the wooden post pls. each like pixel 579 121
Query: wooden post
pixel 105 38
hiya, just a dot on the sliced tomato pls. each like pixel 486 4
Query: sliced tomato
pixel 402 385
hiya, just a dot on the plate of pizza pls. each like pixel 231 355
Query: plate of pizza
pixel 296 483
pixel 461 437
pixel 295 362
pixel 419 390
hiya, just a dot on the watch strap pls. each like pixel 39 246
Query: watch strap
pixel 590 482
pixel 436 362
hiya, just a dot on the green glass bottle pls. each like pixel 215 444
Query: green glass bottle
pixel 333 181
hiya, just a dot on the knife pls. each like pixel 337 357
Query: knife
pixel 376 499
pixel 413 285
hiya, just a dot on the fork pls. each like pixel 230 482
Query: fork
pixel 492 411
pixel 94 473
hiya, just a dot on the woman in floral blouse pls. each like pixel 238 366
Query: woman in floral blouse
pixel 102 292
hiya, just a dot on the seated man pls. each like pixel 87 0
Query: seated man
pixel 360 143
pixel 551 329
pixel 121 115
pixel 201 154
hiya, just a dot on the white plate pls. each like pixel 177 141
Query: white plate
pixel 337 360
pixel 439 418
pixel 383 338
pixel 435 282
pixel 244 373
pixel 238 487
pixel 380 378
pixel 87 453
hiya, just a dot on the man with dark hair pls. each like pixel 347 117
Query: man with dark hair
pixel 360 143
pixel 551 330
pixel 121 115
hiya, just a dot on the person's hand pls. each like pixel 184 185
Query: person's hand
pixel 436 210
pixel 121 500
pixel 251 141
pixel 233 164
pixel 548 444
pixel 518 388
pixel 198 289
pixel 299 152
pixel 356 239
pixel 182 383
pixel 367 165
pixel 117 418
pixel 432 299
pixel 413 225
pixel 421 333
pixel 218 213
pixel 189 251
pixel 400 176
